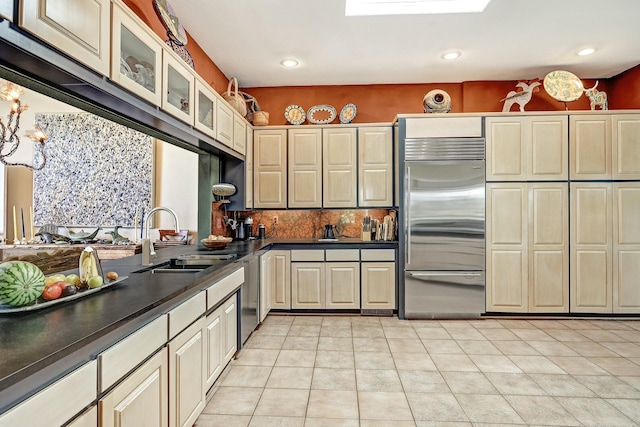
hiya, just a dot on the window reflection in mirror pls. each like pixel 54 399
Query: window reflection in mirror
pixel 87 156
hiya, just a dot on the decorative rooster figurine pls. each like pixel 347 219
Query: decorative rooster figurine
pixel 522 96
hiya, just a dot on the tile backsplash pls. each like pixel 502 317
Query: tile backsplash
pixel 309 224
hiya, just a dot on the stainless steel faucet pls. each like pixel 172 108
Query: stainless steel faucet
pixel 148 251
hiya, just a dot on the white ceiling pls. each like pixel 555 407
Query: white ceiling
pixel 510 40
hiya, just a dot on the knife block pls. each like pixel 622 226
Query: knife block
pixel 366 236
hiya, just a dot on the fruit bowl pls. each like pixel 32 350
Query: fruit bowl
pixel 218 243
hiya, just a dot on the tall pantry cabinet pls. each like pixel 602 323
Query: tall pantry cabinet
pixel 563 239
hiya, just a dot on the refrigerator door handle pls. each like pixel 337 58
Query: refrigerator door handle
pixel 407 249
pixel 468 274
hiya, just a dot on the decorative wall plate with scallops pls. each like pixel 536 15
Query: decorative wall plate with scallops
pixel 311 114
pixel 348 113
pixel 295 114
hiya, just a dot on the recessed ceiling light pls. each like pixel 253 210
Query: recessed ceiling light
pixel 411 7
pixel 289 63
pixel 587 51
pixel 448 56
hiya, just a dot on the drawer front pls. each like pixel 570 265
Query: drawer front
pixel 378 254
pixel 56 404
pixel 121 358
pixel 184 314
pixel 307 255
pixel 222 288
pixel 343 255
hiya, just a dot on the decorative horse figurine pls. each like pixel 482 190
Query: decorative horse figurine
pixel 520 97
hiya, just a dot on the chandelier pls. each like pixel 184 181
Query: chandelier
pixel 10 140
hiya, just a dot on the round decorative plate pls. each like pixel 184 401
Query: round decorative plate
pixel 348 113
pixel 321 108
pixel 294 114
pixel 170 20
pixel 223 189
pixel 563 86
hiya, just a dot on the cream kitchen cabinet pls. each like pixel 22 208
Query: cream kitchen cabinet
pixel 626 247
pixel 239 133
pixel 591 247
pixel 305 168
pixel 57 403
pixel 141 399
pixel 626 146
pixel 339 166
pixel 89 418
pixel 224 129
pixel 270 169
pixel 187 378
pixel 79 28
pixel 529 148
pixel 316 284
pixel 605 241
pixel 590 147
pixel 220 340
pixel 378 279
pixel 275 281
pixel 375 167
pixel 178 87
pixel 205 108
pixel 527 247
pixel 136 55
pixel 248 170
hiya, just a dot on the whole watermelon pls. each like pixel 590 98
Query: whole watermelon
pixel 20 283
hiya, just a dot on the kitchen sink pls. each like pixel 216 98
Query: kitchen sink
pixel 188 263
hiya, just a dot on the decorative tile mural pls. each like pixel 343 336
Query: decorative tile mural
pixel 98 172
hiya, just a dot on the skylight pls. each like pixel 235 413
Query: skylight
pixel 412 7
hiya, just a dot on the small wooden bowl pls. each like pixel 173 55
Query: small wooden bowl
pixel 215 244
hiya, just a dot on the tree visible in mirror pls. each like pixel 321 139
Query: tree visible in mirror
pixel 10 140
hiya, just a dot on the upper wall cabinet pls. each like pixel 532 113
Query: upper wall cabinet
pixel 375 167
pixel 527 148
pixel 339 161
pixel 79 28
pixel 270 169
pixel 177 88
pixel 205 109
pixel 224 129
pixel 590 147
pixel 136 55
pixel 305 167
pixel 239 133
pixel 626 146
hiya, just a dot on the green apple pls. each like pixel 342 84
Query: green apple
pixel 73 279
pixel 95 282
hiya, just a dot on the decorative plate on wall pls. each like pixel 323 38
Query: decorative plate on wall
pixel 348 113
pixel 170 21
pixel 295 114
pixel 311 114
pixel 563 86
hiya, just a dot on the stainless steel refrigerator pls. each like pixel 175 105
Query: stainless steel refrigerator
pixel 444 271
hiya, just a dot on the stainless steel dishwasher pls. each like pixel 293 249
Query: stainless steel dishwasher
pixel 249 301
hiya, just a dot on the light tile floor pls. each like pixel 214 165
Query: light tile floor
pixel 317 371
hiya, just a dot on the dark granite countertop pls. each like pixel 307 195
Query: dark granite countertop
pixel 38 347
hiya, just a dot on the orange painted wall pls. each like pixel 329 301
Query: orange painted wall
pixel 205 67
pixel 381 103
pixel 625 92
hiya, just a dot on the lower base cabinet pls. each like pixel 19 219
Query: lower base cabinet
pixel 141 399
pixel 378 283
pixel 330 285
pixel 186 376
pixel 88 418
pixel 221 338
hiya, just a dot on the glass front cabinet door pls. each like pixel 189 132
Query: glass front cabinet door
pixel 205 109
pixel 177 87
pixel 136 55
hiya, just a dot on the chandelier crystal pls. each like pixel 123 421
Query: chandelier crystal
pixel 9 132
